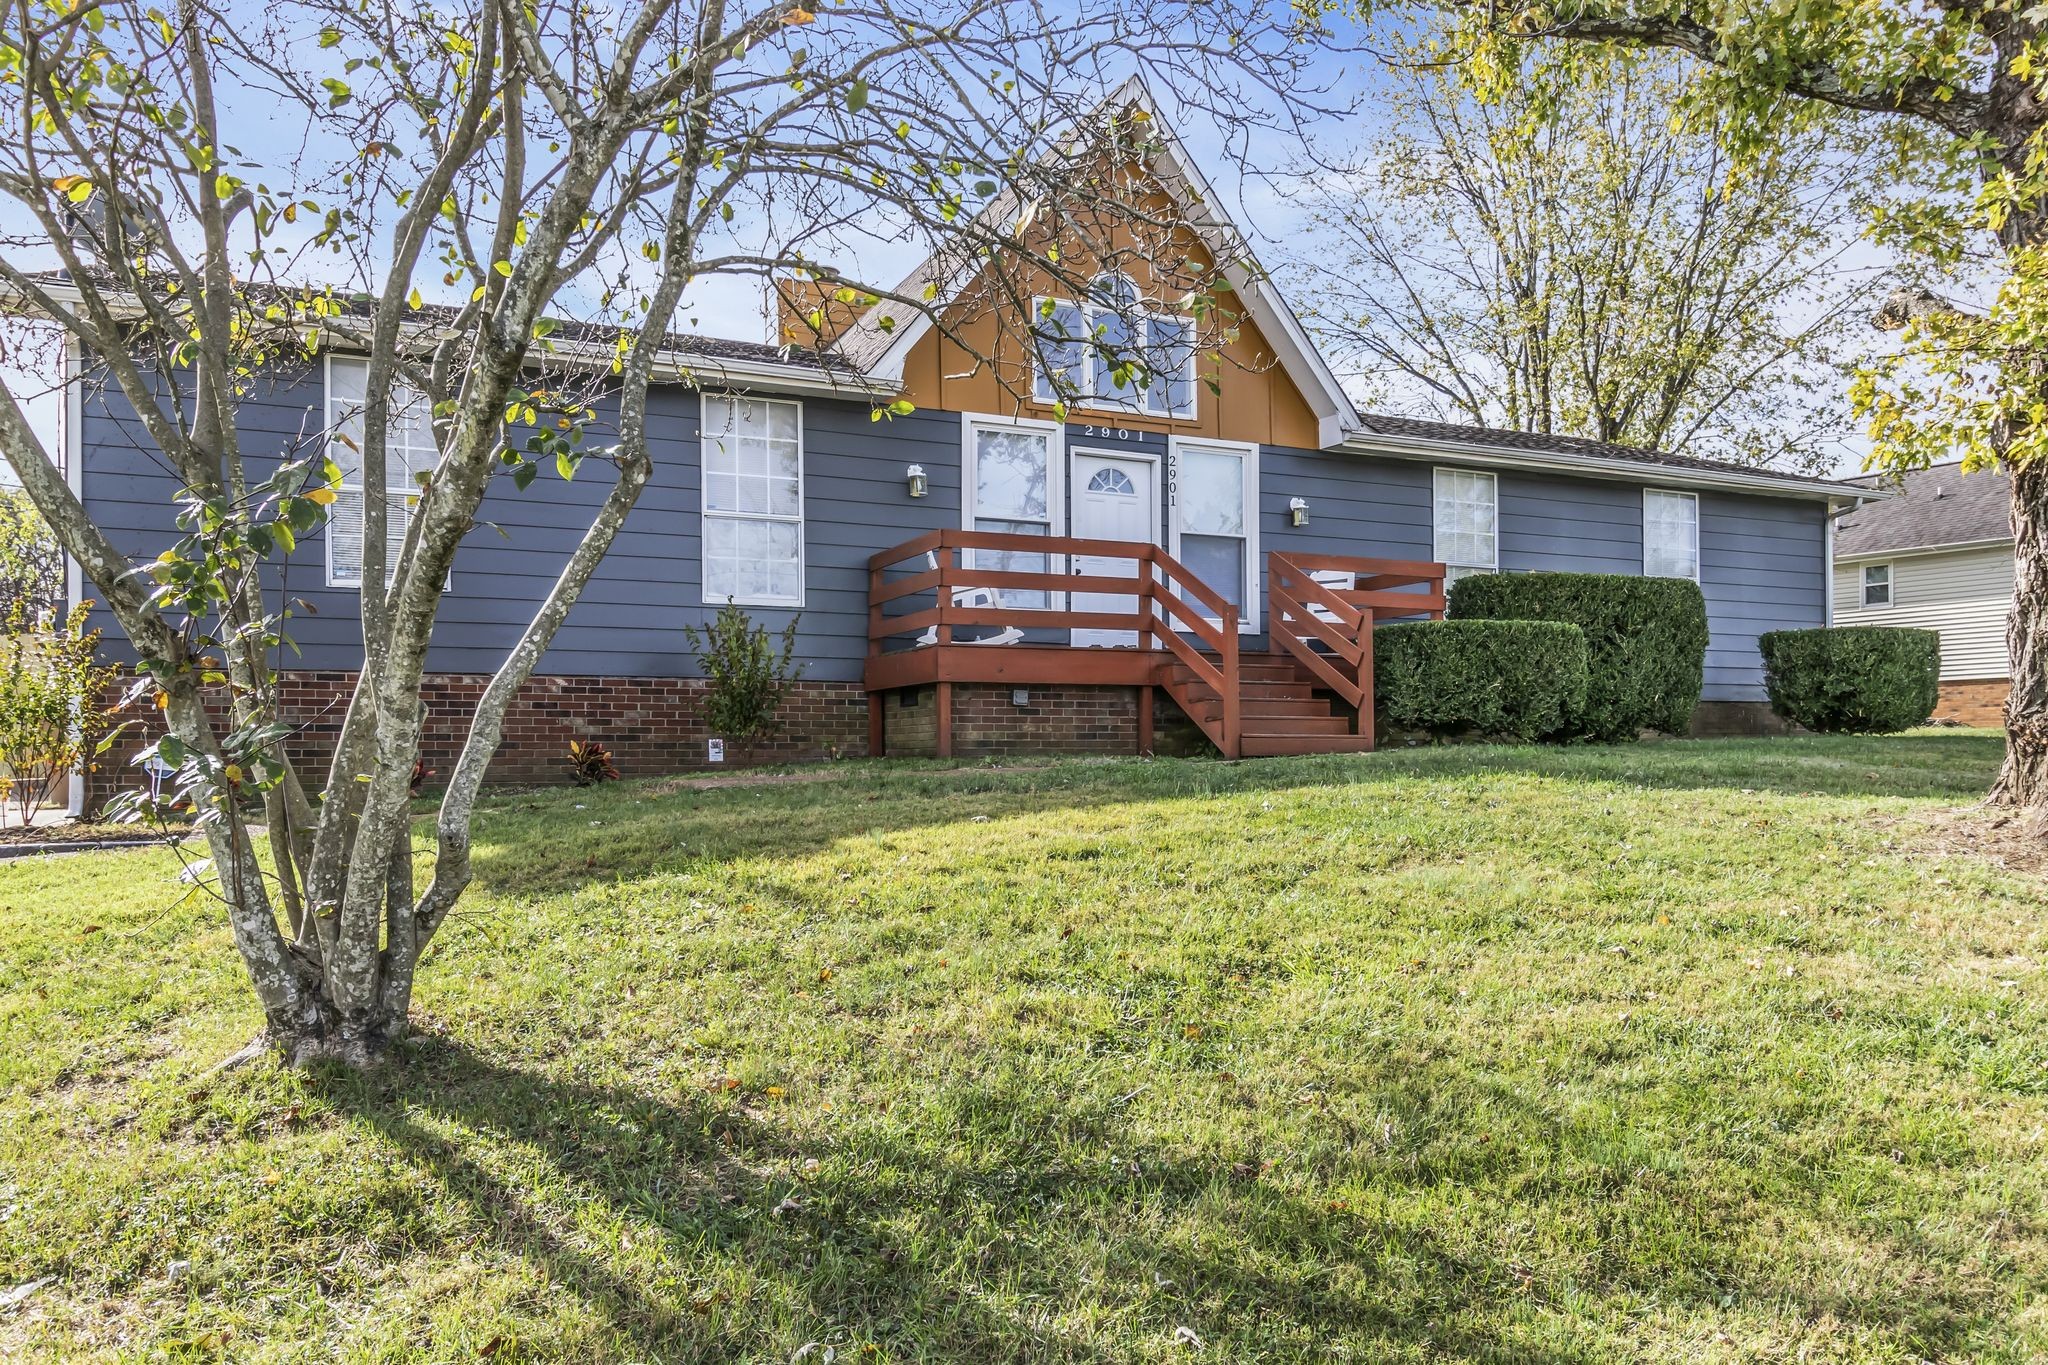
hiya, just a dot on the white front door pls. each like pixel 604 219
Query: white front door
pixel 1115 497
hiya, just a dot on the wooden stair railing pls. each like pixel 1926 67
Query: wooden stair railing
pixel 914 588
pixel 1328 630
pixel 924 592
pixel 1224 678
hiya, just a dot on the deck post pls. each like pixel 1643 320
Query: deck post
pixel 1233 690
pixel 944 718
pixel 1365 683
pixel 876 739
pixel 1144 718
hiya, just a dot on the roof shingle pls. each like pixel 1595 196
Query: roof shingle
pixel 1939 505
pixel 1540 443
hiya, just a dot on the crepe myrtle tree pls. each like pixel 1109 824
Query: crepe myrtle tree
pixel 1960 89
pixel 499 207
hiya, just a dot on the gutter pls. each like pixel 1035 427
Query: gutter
pixel 1594 466
pixel 676 363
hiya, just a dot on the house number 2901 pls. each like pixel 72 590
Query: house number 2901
pixel 1111 433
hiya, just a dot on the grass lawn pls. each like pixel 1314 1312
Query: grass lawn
pixel 1711 1051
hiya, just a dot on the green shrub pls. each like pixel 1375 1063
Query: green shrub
pixel 1861 680
pixel 746 674
pixel 53 703
pixel 1646 641
pixel 1517 679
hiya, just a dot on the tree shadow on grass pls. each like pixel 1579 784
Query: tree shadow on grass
pixel 560 840
pixel 717 1185
pixel 992 1247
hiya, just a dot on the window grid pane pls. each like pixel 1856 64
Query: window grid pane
pixel 1162 344
pixel 753 501
pixel 1467 518
pixel 1670 535
pixel 410 453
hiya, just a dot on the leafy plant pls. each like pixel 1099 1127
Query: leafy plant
pixel 53 712
pixel 1515 679
pixel 591 763
pixel 31 563
pixel 747 676
pixel 1864 680
pixel 1646 641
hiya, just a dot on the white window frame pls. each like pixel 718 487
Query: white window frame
pixel 1055 483
pixel 1084 383
pixel 706 512
pixel 1436 532
pixel 1694 499
pixel 410 488
pixel 1255 564
pixel 1891 586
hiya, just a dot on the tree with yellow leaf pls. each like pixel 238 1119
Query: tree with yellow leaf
pixel 500 209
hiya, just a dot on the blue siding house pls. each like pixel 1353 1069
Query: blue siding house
pixel 980 576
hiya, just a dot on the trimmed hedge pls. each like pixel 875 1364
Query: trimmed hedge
pixel 1518 679
pixel 1646 641
pixel 1859 680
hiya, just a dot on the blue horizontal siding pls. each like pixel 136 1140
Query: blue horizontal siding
pixel 1761 557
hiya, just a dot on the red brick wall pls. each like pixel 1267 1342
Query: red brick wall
pixel 651 725
pixel 1980 702
pixel 1055 720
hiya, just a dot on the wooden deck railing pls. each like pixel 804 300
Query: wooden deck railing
pixel 918 591
pixel 1327 628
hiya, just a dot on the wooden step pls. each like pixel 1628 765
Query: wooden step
pixel 1276 709
pixel 1288 746
pixel 1282 726
pixel 1274 686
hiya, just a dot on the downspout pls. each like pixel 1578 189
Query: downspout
pixel 1828 541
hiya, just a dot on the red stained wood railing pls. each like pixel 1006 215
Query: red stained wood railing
pixel 1327 629
pixel 914 601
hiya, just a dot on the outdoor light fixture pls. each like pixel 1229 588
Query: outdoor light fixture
pixel 919 486
pixel 1297 511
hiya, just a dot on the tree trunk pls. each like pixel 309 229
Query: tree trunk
pixel 2023 781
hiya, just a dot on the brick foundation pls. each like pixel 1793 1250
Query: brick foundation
pixel 651 725
pixel 1975 702
pixel 1056 719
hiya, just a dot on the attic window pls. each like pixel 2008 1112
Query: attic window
pixel 1108 352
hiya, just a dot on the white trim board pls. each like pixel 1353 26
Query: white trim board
pixel 1255 564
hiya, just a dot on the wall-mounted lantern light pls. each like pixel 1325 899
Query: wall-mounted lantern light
pixel 1297 511
pixel 919 485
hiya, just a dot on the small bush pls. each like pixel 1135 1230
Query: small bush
pixel 1859 680
pixel 53 714
pixel 1646 641
pixel 747 675
pixel 1517 679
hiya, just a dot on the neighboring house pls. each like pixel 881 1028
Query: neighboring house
pixel 1939 556
pixel 1251 502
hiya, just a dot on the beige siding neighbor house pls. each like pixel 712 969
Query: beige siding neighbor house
pixel 1939 558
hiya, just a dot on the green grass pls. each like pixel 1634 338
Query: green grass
pixel 1688 1052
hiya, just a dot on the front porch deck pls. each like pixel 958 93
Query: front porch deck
pixel 1310 693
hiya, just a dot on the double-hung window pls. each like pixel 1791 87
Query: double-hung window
pixel 1877 585
pixel 1215 523
pixel 1467 522
pixel 1012 480
pixel 409 454
pixel 1671 534
pixel 1113 353
pixel 753 501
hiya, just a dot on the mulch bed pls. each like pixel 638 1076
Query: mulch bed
pixel 84 832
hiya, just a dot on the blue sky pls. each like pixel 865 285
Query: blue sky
pixel 737 307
